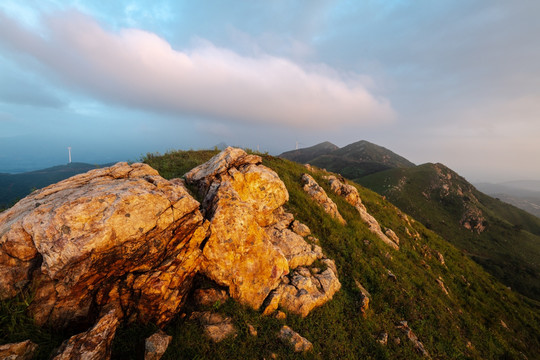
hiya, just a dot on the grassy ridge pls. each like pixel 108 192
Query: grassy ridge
pixel 465 324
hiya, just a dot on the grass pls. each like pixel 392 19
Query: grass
pixel 472 313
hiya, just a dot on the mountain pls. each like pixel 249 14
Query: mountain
pixel 421 299
pixel 305 155
pixel 512 193
pixel 352 161
pixel 500 237
pixel 16 186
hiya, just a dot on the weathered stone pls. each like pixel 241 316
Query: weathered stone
pixel 293 246
pixel 216 326
pixel 418 346
pixel 208 297
pixel 240 199
pixel 364 297
pixel 280 315
pixel 382 338
pixel 350 193
pixel 300 229
pixel 94 344
pixel 318 194
pixel 23 350
pixel 392 235
pixel 440 257
pixel 252 330
pixel 441 285
pixel 391 276
pixel 156 345
pixel 291 337
pixel 119 237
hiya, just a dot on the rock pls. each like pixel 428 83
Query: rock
pixel 364 297
pixel 280 315
pixel 299 343
pixel 418 346
pixel 119 237
pixel 392 235
pixel 94 344
pixel 209 297
pixel 440 257
pixel 391 276
pixel 300 228
pixel 318 194
pixel 252 330
pixel 216 326
pixel 350 193
pixel 382 338
pixel 305 290
pixel 441 284
pixel 240 199
pixel 156 345
pixel 296 250
pixel 23 350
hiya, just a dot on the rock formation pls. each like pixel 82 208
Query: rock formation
pixel 156 345
pixel 216 326
pixel 120 237
pixel 254 242
pixel 318 194
pixel 291 337
pixel 351 195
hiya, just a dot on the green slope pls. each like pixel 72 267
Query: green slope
pixel 466 324
pixel 502 238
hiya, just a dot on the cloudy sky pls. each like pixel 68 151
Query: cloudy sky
pixel 456 82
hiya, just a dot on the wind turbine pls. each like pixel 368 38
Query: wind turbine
pixel 69 154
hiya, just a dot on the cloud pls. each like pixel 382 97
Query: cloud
pixel 138 69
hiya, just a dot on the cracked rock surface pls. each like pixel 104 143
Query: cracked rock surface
pixel 120 237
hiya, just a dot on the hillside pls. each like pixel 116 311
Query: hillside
pixel 453 309
pixel 14 187
pixel 524 198
pixel 500 237
pixel 352 161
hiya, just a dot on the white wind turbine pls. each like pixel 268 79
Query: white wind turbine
pixel 69 154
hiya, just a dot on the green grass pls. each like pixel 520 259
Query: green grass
pixel 445 324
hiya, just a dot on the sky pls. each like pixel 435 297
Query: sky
pixel 455 82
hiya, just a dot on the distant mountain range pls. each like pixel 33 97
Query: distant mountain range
pixel 499 236
pixel 14 187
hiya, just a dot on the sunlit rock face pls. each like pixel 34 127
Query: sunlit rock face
pixel 118 238
pixel 241 198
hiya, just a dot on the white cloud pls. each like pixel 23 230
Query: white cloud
pixel 135 68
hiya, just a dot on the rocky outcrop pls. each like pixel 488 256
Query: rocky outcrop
pixel 350 193
pixel 292 338
pixel 156 345
pixel 240 198
pixel 94 344
pixel 418 346
pixel 364 297
pixel 254 243
pixel 23 350
pixel 318 194
pixel 120 237
pixel 216 326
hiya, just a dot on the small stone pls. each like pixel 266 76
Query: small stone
pixel 280 315
pixel 23 350
pixel 216 326
pixel 391 276
pixel 300 228
pixel 397 340
pixel 383 338
pixel 299 343
pixel 252 330
pixel 156 345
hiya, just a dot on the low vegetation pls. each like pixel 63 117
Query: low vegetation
pixel 480 318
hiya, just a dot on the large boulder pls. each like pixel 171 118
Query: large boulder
pixel 240 199
pixel 120 237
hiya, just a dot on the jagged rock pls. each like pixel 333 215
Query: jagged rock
pixel 119 237
pixel 296 250
pixel 300 229
pixel 318 194
pixel 291 337
pixel 156 345
pixel 391 276
pixel 418 346
pixel 305 290
pixel 280 315
pixel 440 257
pixel 392 235
pixel 364 297
pixel 94 344
pixel 382 338
pixel 216 326
pixel 241 197
pixel 208 297
pixel 350 193
pixel 23 350
pixel 441 285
